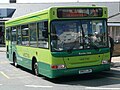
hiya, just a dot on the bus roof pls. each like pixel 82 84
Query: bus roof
pixel 35 15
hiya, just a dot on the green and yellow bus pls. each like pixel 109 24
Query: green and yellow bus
pixel 60 41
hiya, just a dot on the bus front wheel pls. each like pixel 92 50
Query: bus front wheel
pixel 35 68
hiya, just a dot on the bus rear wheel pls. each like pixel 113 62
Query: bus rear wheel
pixel 35 68
pixel 15 60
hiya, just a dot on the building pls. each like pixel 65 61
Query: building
pixel 114 30
pixel 13 10
pixel 114 27
pixel 5 14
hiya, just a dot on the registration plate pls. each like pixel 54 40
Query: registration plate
pixel 85 71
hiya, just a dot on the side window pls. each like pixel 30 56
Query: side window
pixel 43 34
pixel 33 34
pixel 14 35
pixel 19 36
pixel 25 35
pixel 8 33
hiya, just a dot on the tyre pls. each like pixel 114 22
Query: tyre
pixel 15 60
pixel 35 68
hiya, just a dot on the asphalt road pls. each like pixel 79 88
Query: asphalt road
pixel 12 78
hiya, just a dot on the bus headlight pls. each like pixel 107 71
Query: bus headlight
pixel 58 66
pixel 105 62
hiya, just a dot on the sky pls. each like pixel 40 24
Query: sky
pixel 49 1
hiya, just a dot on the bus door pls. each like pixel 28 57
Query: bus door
pixel 13 40
pixel 8 41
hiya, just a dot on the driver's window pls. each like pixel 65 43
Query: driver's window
pixel 66 35
pixel 97 31
pixel 87 33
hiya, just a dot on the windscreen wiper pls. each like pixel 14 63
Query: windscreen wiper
pixel 94 46
pixel 71 48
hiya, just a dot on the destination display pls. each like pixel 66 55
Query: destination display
pixel 79 12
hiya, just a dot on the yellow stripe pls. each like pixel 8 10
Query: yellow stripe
pixel 4 75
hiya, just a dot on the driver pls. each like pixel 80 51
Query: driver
pixel 95 37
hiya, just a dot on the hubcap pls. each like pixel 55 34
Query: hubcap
pixel 36 68
pixel 15 61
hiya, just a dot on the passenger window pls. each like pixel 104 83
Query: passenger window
pixel 19 36
pixel 25 35
pixel 43 34
pixel 14 35
pixel 8 33
pixel 33 34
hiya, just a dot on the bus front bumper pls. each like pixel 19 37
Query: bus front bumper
pixel 77 71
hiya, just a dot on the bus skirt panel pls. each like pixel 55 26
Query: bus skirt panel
pixel 44 69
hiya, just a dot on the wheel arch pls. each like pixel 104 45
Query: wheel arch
pixel 33 61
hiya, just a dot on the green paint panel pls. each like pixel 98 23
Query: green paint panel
pixel 41 55
pixel 44 69
pixel 25 62
pixel 81 58
pixel 82 61
pixel 80 52
pixel 75 71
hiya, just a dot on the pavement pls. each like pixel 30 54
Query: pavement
pixel 116 59
pixel 115 62
pixel 2 49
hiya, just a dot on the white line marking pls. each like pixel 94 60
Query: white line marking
pixel 0 84
pixel 98 88
pixel 114 78
pixel 38 86
pixel 4 75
